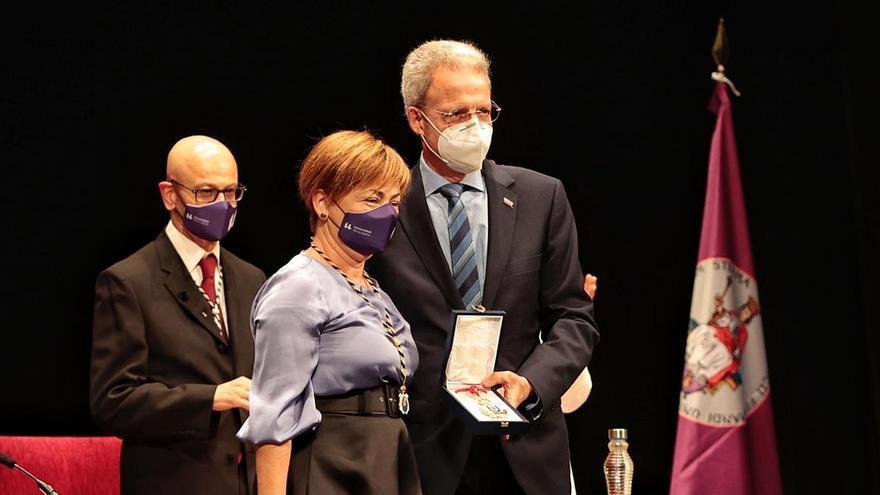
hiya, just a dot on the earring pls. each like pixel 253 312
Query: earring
pixel 322 215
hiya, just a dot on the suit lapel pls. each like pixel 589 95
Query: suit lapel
pixel 237 311
pixel 415 220
pixel 182 288
pixel 237 321
pixel 502 221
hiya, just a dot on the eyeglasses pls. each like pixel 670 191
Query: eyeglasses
pixel 459 115
pixel 209 194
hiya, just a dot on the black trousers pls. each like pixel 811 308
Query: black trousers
pixel 487 470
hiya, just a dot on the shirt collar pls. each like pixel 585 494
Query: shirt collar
pixel 189 251
pixel 432 181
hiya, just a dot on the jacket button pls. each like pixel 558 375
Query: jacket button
pixel 223 348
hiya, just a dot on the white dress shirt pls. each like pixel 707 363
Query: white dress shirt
pixel 191 254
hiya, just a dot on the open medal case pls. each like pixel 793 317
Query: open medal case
pixel 471 349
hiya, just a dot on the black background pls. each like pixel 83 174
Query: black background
pixel 608 96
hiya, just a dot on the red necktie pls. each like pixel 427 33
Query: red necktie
pixel 209 267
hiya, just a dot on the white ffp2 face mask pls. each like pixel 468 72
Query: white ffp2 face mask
pixel 463 146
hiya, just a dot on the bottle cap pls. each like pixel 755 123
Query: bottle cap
pixel 617 434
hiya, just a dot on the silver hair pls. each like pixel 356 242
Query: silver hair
pixel 426 58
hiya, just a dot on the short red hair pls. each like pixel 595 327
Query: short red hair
pixel 348 160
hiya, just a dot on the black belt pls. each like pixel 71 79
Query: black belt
pixel 381 400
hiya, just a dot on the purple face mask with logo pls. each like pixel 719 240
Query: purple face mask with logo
pixel 368 232
pixel 210 222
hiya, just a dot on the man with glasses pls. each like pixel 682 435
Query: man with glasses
pixel 172 349
pixel 477 234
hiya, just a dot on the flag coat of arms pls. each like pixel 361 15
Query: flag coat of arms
pixel 725 442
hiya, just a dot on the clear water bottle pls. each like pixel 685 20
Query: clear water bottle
pixel 618 464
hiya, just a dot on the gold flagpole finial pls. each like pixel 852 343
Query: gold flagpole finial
pixel 719 48
pixel 720 53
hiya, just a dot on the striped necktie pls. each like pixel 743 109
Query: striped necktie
pixel 462 247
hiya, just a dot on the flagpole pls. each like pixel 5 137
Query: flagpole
pixel 725 441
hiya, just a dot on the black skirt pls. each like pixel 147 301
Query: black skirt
pixel 351 454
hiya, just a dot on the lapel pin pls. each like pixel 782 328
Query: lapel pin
pixel 508 202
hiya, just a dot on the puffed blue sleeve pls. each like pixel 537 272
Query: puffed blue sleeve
pixel 287 317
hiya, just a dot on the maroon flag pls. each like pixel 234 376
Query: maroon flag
pixel 725 443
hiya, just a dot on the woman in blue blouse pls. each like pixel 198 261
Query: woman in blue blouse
pixel 333 354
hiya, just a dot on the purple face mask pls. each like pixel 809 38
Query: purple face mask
pixel 210 222
pixel 368 232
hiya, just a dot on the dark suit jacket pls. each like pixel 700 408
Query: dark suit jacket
pixel 157 358
pixel 532 273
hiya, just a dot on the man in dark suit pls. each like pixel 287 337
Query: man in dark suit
pixel 474 232
pixel 172 351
